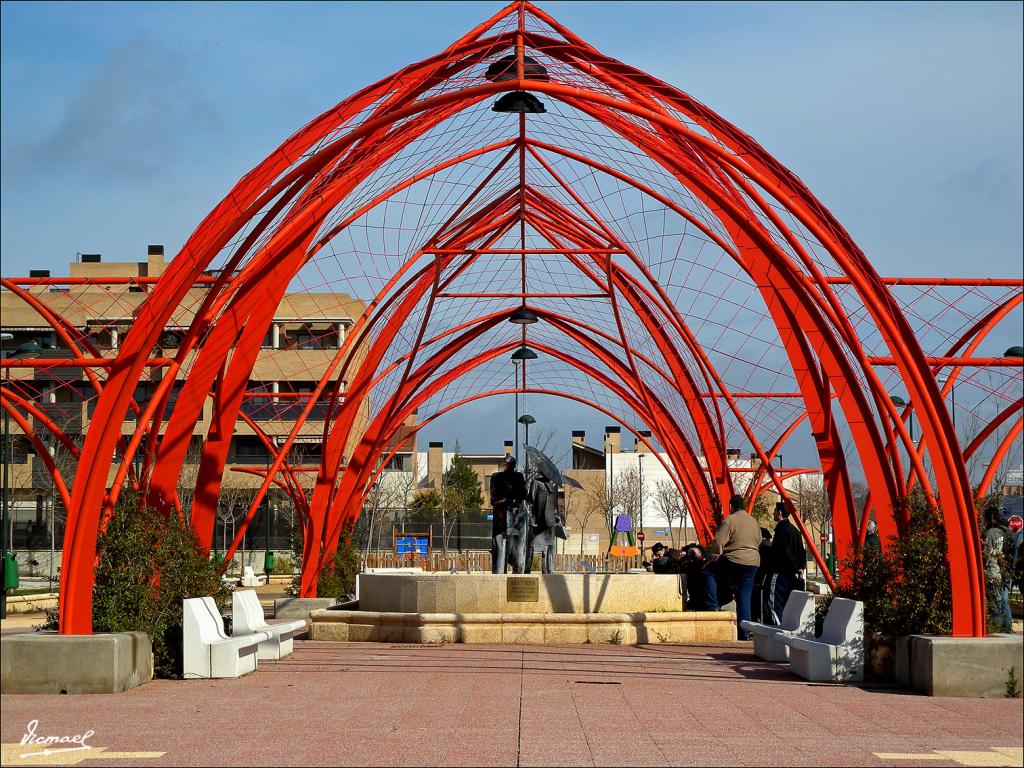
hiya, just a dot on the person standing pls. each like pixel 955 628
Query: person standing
pixel 736 545
pixel 871 537
pixel 997 580
pixel 508 491
pixel 789 558
pixel 759 597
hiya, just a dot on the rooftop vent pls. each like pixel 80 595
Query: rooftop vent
pixel 39 273
pixel 92 258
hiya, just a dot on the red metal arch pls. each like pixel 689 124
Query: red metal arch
pixel 718 164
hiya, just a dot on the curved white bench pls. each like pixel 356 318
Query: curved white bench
pixel 208 651
pixel 248 620
pixel 797 621
pixel 837 655
pixel 250 579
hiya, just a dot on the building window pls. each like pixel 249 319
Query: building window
pixel 250 450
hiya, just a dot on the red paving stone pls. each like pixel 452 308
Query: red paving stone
pixel 463 705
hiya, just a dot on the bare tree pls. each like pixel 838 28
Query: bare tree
pixel 188 476
pixel 670 503
pixel 583 507
pixel 812 503
pixel 232 505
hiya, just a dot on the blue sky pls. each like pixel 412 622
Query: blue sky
pixel 123 124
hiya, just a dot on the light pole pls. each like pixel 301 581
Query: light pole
pixel 640 489
pixel 899 402
pixel 521 355
pixel 268 556
pixel 526 420
pixel 4 338
pixel 10 563
pixel 515 382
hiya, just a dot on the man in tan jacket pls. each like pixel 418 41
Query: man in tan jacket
pixel 736 560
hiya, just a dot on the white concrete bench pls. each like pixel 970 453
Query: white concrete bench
pixel 248 619
pixel 250 579
pixel 207 650
pixel 837 655
pixel 797 621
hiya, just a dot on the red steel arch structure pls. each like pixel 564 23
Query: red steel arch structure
pixel 683 280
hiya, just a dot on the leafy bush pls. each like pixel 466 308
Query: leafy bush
pixel 905 585
pixel 147 566
pixel 338 578
pixel 283 566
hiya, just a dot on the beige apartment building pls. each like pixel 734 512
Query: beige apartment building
pixel 306 333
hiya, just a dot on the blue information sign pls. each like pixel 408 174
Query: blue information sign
pixel 411 545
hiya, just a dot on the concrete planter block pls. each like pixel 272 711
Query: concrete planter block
pixel 45 662
pixel 977 667
pixel 300 607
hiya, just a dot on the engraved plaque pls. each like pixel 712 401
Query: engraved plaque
pixel 522 589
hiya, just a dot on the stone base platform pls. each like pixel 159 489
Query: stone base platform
pixel 528 628
pixel 979 667
pixel 528 593
pixel 45 662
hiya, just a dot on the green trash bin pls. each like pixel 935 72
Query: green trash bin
pixel 268 563
pixel 11 580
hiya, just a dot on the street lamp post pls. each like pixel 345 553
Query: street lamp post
pixel 640 467
pixel 3 522
pixel 899 402
pixel 10 564
pixel 521 355
pixel 526 420
pixel 515 368
pixel 268 556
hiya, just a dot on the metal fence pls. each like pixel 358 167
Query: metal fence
pixel 480 561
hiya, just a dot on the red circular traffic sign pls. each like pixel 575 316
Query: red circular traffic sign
pixel 1015 523
pixel 640 536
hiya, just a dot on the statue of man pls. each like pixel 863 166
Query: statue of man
pixel 546 521
pixel 508 491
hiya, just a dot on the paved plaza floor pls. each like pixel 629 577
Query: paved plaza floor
pixel 374 704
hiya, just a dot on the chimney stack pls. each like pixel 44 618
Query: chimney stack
pixel 642 447
pixel 579 437
pixel 612 439
pixel 435 464
pixel 155 263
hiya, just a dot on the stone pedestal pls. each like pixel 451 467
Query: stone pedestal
pixel 978 667
pixel 531 608
pixel 45 662
pixel 574 593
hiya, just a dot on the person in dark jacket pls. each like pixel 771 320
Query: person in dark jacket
pixel 789 560
pixel 508 491
pixel 659 560
pixel 759 602
pixel 693 561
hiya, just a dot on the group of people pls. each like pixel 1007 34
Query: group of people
pixel 744 562
pixel 523 520
pixel 1003 551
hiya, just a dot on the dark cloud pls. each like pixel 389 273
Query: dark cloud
pixel 139 110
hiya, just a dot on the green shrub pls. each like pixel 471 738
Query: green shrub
pixel 146 566
pixel 338 578
pixel 905 585
pixel 283 566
